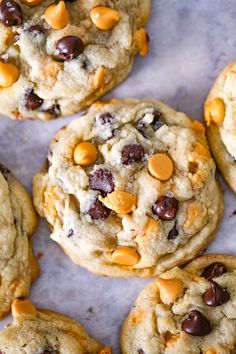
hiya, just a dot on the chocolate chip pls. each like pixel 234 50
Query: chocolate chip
pixel 70 47
pixel 214 270
pixel 70 233
pixel 10 13
pixel 165 207
pixel 173 233
pixel 49 351
pixel 215 295
pixel 141 351
pixel 157 120
pixel 132 153
pixel 101 180
pixel 54 110
pixel 98 211
pixel 32 101
pixel 196 324
pixel 36 29
pixel 4 170
pixel 106 117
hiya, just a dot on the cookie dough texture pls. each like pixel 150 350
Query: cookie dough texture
pixel 68 86
pixel 18 267
pixel 111 224
pixel 155 327
pixel 43 331
pixel 222 134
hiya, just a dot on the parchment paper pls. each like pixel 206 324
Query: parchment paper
pixel 190 42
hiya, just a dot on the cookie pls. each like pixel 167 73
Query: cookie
pixel 190 310
pixel 18 222
pixel 58 57
pixel 43 332
pixel 219 112
pixel 129 189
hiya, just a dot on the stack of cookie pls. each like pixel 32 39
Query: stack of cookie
pixel 128 189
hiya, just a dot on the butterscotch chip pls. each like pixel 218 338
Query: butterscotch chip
pixel 215 111
pixel 44 331
pixel 8 74
pixel 68 53
pixel 57 16
pixel 161 166
pixel 85 154
pixel 105 18
pixel 170 289
pixel 117 187
pixel 125 256
pixel 142 41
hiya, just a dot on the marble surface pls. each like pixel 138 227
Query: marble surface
pixel 190 42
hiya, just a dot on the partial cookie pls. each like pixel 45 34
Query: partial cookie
pixel 187 311
pixel 130 189
pixel 18 267
pixel 58 57
pixel 43 332
pixel 220 111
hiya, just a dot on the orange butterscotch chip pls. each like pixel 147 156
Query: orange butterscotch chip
pixel 201 150
pixel 20 307
pixel 8 74
pixel 99 78
pixel 192 213
pixel 125 256
pixel 150 227
pixel 215 111
pixel 198 126
pixel 142 41
pixel 210 351
pixel 32 2
pixel 120 201
pixel 161 166
pixel 106 350
pixel 170 289
pixel 56 15
pixel 85 154
pixel 104 18
pixel 171 339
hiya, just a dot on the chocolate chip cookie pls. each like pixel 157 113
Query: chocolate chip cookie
pixel 190 310
pixel 17 223
pixel 129 189
pixel 58 57
pixel 220 110
pixel 45 332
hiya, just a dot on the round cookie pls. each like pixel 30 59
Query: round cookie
pixel 43 332
pixel 187 311
pixel 129 189
pixel 219 113
pixel 58 57
pixel 18 267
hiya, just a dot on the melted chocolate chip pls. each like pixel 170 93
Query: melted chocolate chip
pixel 36 29
pixel 32 101
pixel 106 117
pixel 132 153
pixel 101 180
pixel 214 270
pixel 157 120
pixel 10 13
pixel 215 295
pixel 98 211
pixel 196 324
pixel 165 207
pixel 4 170
pixel 70 47
pixel 54 111
pixel 70 233
pixel 141 351
pixel 173 233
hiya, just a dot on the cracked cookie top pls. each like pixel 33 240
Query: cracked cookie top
pixel 17 223
pixel 190 310
pixel 129 189
pixel 45 332
pixel 58 57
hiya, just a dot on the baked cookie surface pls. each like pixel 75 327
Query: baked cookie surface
pixel 190 310
pixel 220 108
pixel 18 267
pixel 130 189
pixel 44 332
pixel 57 58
